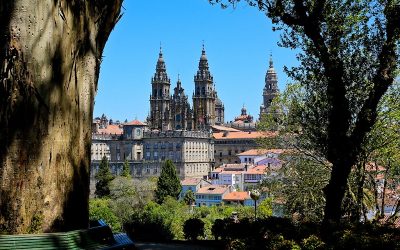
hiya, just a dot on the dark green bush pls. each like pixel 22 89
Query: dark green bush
pixel 193 228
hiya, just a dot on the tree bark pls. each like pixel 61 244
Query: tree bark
pixel 50 54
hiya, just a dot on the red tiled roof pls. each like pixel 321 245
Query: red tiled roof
pixel 261 151
pixel 231 167
pixel 236 196
pixel 212 189
pixel 243 135
pixel 190 181
pixel 135 122
pixel 257 170
pixel 111 130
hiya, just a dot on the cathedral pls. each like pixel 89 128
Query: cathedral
pixel 173 112
pixel 271 89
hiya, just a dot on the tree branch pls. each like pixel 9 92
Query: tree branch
pixel 383 78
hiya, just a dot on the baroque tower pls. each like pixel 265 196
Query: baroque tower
pixel 160 113
pixel 270 90
pixel 204 95
pixel 180 108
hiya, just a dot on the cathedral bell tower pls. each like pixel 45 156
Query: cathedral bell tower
pixel 160 112
pixel 270 90
pixel 204 96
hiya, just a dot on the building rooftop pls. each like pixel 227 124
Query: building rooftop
pixel 237 196
pixel 257 170
pixel 218 128
pixel 190 181
pixel 243 135
pixel 260 151
pixel 213 189
pixel 111 130
pixel 135 123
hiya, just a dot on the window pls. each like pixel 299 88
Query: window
pixel 230 152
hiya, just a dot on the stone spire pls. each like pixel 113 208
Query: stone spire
pixel 203 71
pixel 204 98
pixel 271 78
pixel 161 70
pixel 160 117
pixel 271 89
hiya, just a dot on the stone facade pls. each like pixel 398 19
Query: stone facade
pixel 271 89
pixel 191 152
pixel 145 151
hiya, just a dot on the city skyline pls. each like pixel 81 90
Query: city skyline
pixel 238 55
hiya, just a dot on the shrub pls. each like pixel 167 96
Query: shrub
pixel 313 243
pixel 100 209
pixel 193 228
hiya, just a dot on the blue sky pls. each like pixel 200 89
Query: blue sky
pixel 237 41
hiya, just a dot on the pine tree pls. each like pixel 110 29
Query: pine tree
pixel 126 169
pixel 168 183
pixel 103 179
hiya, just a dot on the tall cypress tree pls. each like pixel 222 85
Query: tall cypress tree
pixel 103 178
pixel 126 169
pixel 168 183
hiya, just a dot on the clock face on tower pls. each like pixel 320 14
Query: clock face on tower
pixel 138 132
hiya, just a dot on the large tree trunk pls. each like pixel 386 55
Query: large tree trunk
pixel 50 53
pixel 335 191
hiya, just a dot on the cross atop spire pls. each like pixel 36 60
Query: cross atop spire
pixel 160 54
pixel 203 51
pixel 271 63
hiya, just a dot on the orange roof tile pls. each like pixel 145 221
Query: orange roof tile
pixel 111 130
pixel 257 170
pixel 212 189
pixel 261 151
pixel 135 122
pixel 190 181
pixel 243 135
pixel 236 196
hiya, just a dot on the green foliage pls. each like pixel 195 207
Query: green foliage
pixel 168 183
pixel 348 58
pixel 100 209
pixel 264 209
pixel 313 243
pixel 279 242
pixel 193 228
pixel 103 178
pixel 126 169
pixel 167 219
pixel 189 198
pixel 123 194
